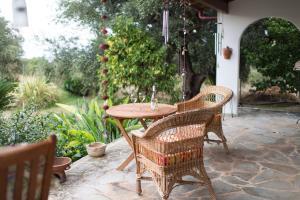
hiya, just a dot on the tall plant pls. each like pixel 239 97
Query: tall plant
pixel 83 125
pixel 137 59
pixel 5 97
pixel 35 90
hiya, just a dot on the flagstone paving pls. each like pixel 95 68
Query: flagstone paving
pixel 264 163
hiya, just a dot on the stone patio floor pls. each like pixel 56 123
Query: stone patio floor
pixel 264 164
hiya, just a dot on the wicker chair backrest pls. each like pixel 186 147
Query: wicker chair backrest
pixel 216 95
pixel 195 117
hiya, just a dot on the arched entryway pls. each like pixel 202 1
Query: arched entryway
pixel 269 50
pixel 231 27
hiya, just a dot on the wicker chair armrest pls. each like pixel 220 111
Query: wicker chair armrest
pixel 140 133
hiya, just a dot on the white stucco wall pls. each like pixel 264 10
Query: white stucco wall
pixel 242 13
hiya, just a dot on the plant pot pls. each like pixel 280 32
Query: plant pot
pixel 227 52
pixel 96 149
pixel 59 166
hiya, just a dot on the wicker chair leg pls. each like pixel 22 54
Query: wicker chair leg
pixel 224 141
pixel 165 197
pixel 138 178
pixel 138 186
pixel 138 169
pixel 207 182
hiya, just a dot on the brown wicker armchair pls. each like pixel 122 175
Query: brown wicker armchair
pixel 172 148
pixel 212 98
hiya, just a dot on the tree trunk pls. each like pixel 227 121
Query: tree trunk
pixel 192 80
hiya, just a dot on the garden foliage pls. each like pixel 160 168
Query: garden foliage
pixel 75 67
pixel 10 52
pixel 82 125
pixel 24 126
pixel 5 93
pixel 136 59
pixel 36 91
pixel 272 47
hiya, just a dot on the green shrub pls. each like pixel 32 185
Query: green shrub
pixel 36 91
pixel 83 125
pixel 76 86
pixel 26 125
pixel 5 89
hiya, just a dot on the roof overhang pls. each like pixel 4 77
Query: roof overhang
pixel 220 5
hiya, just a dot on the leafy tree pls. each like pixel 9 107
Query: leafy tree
pixel 37 66
pixel 75 67
pixel 10 51
pixel 253 33
pixel 148 14
pixel 136 59
pixel 274 54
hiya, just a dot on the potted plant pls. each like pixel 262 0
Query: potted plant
pixel 227 52
pixel 96 149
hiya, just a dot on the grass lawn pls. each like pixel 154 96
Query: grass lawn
pixel 67 98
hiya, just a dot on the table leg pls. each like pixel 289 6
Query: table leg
pixel 129 141
pixel 143 123
pixel 126 162
pixel 124 132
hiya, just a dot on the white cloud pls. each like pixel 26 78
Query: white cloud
pixel 41 15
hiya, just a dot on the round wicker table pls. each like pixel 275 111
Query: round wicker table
pixel 139 111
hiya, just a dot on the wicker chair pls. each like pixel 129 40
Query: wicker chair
pixel 172 148
pixel 26 170
pixel 212 98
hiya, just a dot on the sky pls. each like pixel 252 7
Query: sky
pixel 41 19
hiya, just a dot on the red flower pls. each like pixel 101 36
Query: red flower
pixel 104 31
pixel 105 97
pixel 105 107
pixel 104 17
pixel 104 59
pixel 104 46
pixel 105 82
pixel 103 1
pixel 105 71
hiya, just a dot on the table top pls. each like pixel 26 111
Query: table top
pixel 140 111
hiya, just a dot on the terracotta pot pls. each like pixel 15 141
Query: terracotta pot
pixel 227 52
pixel 96 149
pixel 59 166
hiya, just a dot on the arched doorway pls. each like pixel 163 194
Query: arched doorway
pixel 231 27
pixel 269 49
